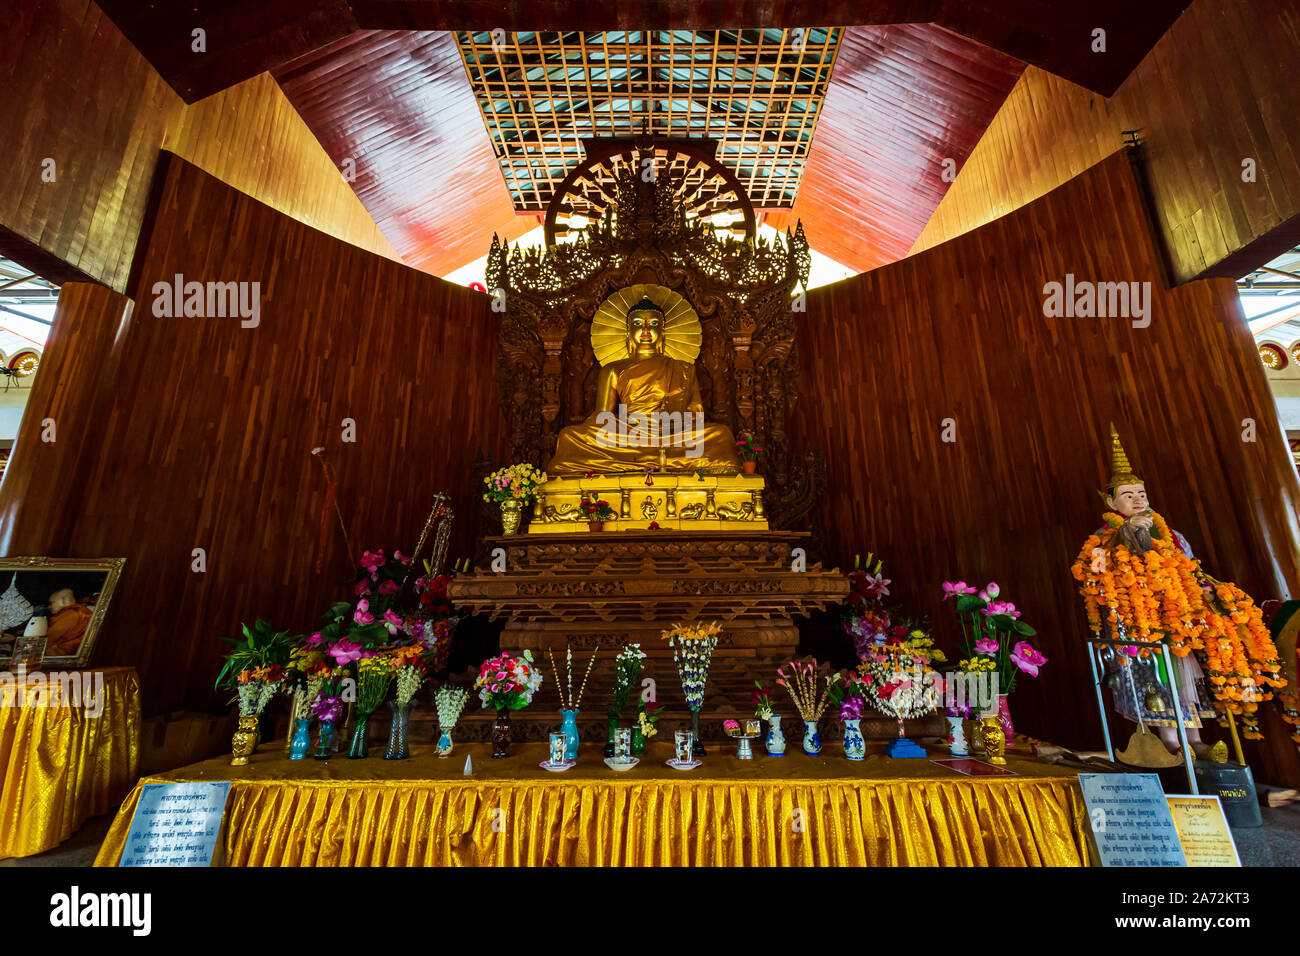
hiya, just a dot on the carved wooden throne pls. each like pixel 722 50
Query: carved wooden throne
pixel 654 212
pixel 664 214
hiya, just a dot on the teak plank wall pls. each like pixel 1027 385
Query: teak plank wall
pixel 77 93
pixel 1216 90
pixel 205 441
pixel 958 332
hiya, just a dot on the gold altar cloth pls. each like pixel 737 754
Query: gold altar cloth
pixel 424 812
pixel 59 765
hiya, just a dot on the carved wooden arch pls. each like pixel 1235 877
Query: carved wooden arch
pixel 599 152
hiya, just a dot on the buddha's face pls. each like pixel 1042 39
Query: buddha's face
pixel 1128 500
pixel 645 330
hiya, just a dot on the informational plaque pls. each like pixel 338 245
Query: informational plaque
pixel 176 824
pixel 1203 829
pixel 1130 819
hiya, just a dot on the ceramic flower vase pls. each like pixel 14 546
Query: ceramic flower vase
pixel 501 733
pixel 855 748
pixel 775 740
pixel 748 467
pixel 397 746
pixel 697 750
pixel 957 737
pixel 595 526
pixel 1004 718
pixel 444 742
pixel 301 743
pixel 511 511
pixel 812 741
pixel 325 741
pixel 360 745
pixel 244 740
pixel 569 727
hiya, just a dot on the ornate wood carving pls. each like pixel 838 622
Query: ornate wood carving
pixel 748 363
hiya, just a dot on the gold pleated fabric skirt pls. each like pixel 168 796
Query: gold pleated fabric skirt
pixel 61 764
pixel 792 811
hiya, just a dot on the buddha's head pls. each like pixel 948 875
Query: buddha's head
pixel 645 329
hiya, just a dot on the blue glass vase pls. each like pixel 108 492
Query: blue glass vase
pixel 569 728
pixel 301 742
pixel 325 742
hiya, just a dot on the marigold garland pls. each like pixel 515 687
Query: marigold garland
pixel 1157 598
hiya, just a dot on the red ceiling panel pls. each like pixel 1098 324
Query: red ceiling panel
pixel 399 104
pixel 901 100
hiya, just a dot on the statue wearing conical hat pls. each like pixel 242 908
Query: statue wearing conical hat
pixel 1142 584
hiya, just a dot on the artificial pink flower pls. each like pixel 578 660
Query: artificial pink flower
pixel 1002 607
pixel 956 589
pixel 876 586
pixel 344 651
pixel 315 638
pixel 372 560
pixel 1028 658
pixel 389 587
pixel 362 587
pixel 986 645
pixel 405 559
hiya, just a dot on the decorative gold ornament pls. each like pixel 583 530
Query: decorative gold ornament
pixel 971 729
pixel 1153 700
pixel 244 740
pixel 1218 753
pixel 682 332
pixel 1121 472
pixel 993 738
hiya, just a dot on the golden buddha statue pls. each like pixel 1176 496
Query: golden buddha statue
pixel 648 410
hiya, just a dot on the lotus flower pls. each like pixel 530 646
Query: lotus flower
pixel 956 589
pixel 986 645
pixel 344 651
pixel 1028 658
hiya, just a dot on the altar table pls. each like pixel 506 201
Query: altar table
pixel 424 811
pixel 62 764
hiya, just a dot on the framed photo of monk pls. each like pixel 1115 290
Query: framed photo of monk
pixel 67 598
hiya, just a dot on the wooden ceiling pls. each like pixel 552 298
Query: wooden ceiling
pixel 247 37
pixel 903 99
pixel 398 104
pixel 381 82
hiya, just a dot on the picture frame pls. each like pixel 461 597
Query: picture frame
pixel 76 592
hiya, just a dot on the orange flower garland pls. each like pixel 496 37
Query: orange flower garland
pixel 1157 598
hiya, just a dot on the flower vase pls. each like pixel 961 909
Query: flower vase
pixel 775 740
pixel 748 467
pixel 325 741
pixel 609 736
pixel 638 740
pixel 994 739
pixel 1004 718
pixel 397 746
pixel 595 526
pixel 444 742
pixel 957 737
pixel 511 511
pixel 301 739
pixel 501 733
pixel 812 741
pixel 569 727
pixel 697 749
pixel 360 745
pixel 855 748
pixel 244 740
